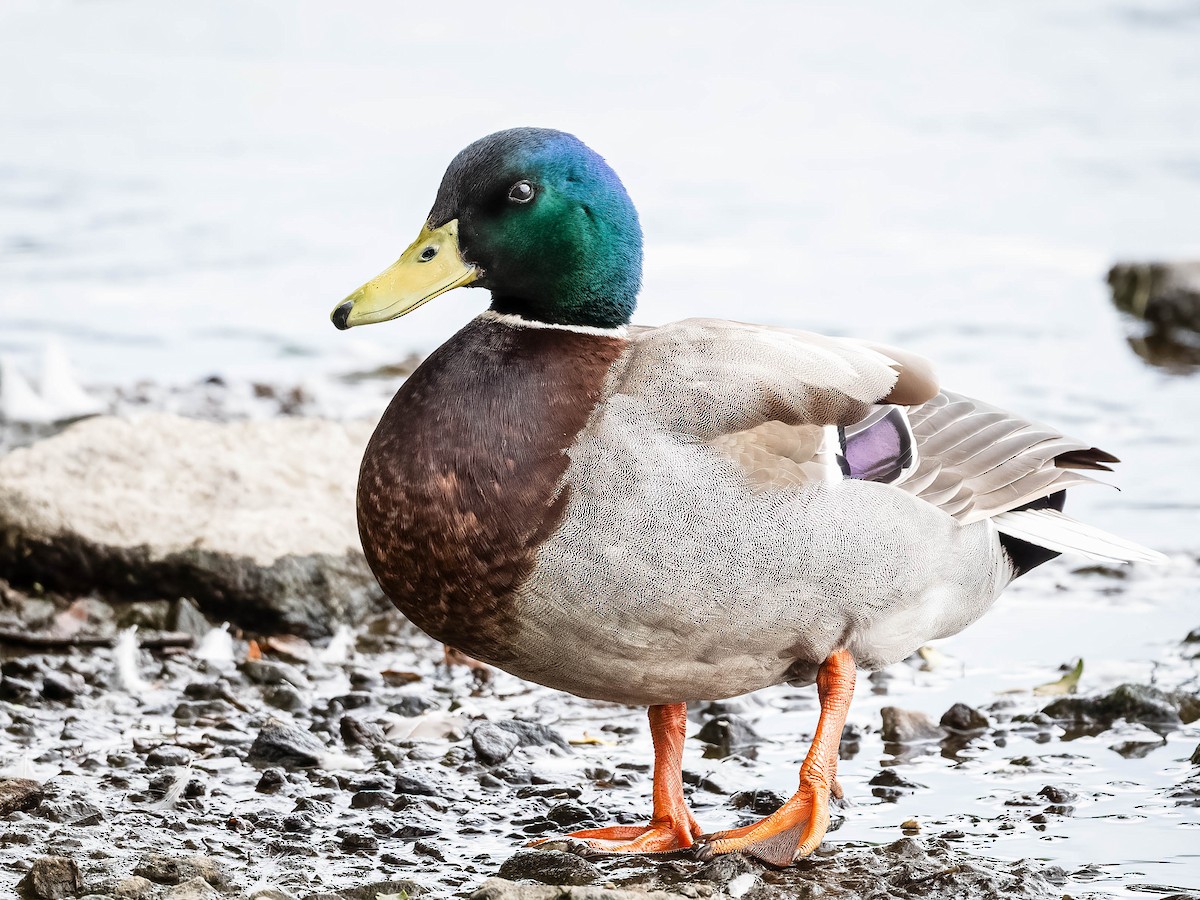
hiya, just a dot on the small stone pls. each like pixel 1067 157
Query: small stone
pixel 270 671
pixel 192 889
pixel 168 755
pixel 549 867
pixel 359 840
pixel 283 696
pixel 18 690
pixel 61 687
pixel 52 878
pixel 271 781
pixel 410 784
pixel 728 734
pixel 1132 702
pixel 760 802
pixel 727 868
pixel 412 705
pixel 384 888
pixel 568 813
pixel 1057 794
pixel 19 794
pixel 371 799
pixel 904 726
pixel 163 869
pixel 493 744
pixel 286 745
pixel 961 717
pixel 135 887
pixel 356 732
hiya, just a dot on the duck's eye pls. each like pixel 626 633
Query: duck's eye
pixel 428 253
pixel 521 192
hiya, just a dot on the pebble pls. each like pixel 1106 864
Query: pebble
pixel 271 782
pixel 493 744
pixel 168 755
pixel 19 794
pixel 192 889
pixel 961 717
pixel 52 878
pixel 904 726
pixel 286 745
pixel 163 869
pixel 549 867
pixel 135 887
pixel 728 734
pixel 411 784
pixel 1132 702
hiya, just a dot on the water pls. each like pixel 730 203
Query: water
pixel 189 191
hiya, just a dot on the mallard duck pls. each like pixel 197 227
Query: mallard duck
pixel 660 516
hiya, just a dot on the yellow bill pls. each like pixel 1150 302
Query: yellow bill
pixel 432 265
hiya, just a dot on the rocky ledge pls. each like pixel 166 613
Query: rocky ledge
pixel 252 520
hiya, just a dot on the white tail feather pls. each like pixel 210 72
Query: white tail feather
pixel 1051 529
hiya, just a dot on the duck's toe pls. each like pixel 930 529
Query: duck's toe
pixel 790 833
pixel 657 837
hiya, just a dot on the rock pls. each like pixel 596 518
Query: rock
pixel 961 717
pixel 549 867
pixel 890 786
pixel 286 745
pixel 19 794
pixel 135 887
pixel 905 726
pixel 728 734
pixel 192 889
pixel 61 687
pixel 283 696
pixel 503 889
pixel 1132 702
pixel 356 732
pixel 1166 295
pixel 271 782
pixel 163 869
pixel 168 755
pixel 761 802
pixel 1163 301
pixel 269 671
pixel 51 878
pixel 1057 795
pixel 385 889
pixel 493 744
pixel 1195 760
pixel 254 520
pixel 412 705
pixel 411 784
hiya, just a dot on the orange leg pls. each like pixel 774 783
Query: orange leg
pixel 673 826
pixel 795 829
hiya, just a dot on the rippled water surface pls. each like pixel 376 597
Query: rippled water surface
pixel 188 190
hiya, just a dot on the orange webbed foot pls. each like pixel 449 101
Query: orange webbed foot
pixel 790 833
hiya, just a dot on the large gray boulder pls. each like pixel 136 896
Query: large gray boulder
pixel 253 520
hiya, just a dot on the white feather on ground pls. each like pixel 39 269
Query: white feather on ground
pixel 125 656
pixel 216 645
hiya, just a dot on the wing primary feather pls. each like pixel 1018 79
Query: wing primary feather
pixel 1051 529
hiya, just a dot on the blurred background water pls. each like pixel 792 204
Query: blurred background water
pixel 187 190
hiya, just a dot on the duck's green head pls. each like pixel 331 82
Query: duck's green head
pixel 533 215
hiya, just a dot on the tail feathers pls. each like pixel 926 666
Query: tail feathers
pixel 1051 529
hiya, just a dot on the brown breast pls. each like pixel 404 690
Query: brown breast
pixel 458 484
